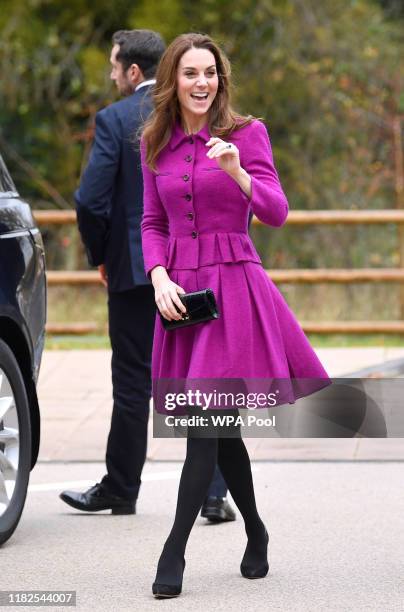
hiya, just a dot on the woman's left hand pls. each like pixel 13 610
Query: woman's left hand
pixel 226 155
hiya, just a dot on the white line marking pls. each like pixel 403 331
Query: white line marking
pixel 81 484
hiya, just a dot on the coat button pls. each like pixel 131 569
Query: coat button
pixel 194 234
pixel 188 158
pixel 188 197
pixel 186 177
pixel 190 216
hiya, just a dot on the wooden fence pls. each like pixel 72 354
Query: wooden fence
pixel 318 275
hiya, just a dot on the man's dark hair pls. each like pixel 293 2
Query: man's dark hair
pixel 141 47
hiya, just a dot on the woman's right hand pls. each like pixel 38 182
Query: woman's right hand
pixel 166 294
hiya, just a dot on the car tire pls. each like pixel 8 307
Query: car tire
pixel 15 443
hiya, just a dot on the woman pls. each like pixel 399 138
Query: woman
pixel 205 167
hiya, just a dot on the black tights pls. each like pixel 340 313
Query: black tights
pixel 197 472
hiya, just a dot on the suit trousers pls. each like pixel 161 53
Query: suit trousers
pixel 131 325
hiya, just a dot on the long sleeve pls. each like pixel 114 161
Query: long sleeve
pixel 155 222
pixel 268 201
pixel 94 196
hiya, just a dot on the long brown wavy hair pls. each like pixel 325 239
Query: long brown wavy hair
pixel 222 119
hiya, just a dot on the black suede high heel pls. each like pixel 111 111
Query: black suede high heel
pixel 255 562
pixel 161 590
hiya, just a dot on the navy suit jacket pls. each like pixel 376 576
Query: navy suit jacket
pixel 109 201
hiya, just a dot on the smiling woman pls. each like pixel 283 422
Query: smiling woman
pixel 195 237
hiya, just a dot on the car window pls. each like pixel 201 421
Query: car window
pixel 6 182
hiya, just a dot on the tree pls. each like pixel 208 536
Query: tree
pixel 324 75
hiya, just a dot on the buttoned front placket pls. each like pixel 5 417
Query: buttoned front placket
pixel 189 158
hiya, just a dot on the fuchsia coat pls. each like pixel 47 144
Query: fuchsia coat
pixel 195 224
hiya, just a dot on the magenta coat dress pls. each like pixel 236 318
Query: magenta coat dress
pixel 195 225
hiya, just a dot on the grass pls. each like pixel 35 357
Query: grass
pixel 317 340
pixel 356 340
pixel 65 343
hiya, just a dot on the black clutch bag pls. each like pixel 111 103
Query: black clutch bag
pixel 201 306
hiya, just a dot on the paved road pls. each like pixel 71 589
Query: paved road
pixel 336 542
pixel 335 515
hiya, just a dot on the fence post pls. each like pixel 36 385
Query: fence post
pixel 399 189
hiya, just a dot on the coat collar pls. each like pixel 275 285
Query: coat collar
pixel 178 135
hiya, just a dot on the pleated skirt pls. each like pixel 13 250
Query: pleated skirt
pixel 257 336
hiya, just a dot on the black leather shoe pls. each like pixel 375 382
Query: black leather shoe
pixel 98 498
pixel 217 510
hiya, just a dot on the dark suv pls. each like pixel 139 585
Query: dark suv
pixel 22 333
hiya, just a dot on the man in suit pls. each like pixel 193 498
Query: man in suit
pixel 109 212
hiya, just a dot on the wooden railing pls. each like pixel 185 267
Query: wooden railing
pixel 319 275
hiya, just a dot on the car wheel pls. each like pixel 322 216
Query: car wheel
pixel 15 443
